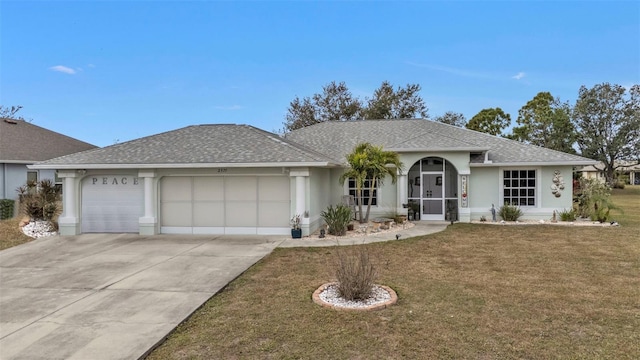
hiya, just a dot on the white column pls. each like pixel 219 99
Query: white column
pixel 68 222
pixel 69 205
pixel 148 222
pixel 402 193
pixel 301 195
pixel 148 197
pixel 301 175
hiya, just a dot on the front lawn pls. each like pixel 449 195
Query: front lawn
pixel 472 291
pixel 11 234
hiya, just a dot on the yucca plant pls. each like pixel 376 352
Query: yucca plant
pixel 510 212
pixel 337 219
pixel 567 215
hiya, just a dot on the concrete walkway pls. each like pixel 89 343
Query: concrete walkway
pixel 116 296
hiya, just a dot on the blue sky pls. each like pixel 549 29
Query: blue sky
pixel 117 70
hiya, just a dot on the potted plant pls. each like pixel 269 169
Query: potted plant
pixel 296 232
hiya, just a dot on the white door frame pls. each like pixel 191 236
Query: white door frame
pixel 423 214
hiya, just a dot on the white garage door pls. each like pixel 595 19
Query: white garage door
pixel 225 205
pixel 111 203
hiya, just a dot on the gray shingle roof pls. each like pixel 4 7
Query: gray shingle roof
pixel 199 144
pixel 336 139
pixel 21 141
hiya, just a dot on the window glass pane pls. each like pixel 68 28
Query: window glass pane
pixel 32 176
pixel 519 187
pixel 352 183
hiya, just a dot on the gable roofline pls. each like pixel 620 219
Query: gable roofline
pixel 180 166
pixel 196 146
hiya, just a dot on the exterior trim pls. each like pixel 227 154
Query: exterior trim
pixel 530 164
pixel 181 166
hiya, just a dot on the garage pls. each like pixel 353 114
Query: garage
pixel 225 205
pixel 111 203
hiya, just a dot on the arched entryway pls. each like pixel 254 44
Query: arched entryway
pixel 432 189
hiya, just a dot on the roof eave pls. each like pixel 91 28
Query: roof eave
pixel 19 161
pixel 457 149
pixel 182 165
pixel 534 163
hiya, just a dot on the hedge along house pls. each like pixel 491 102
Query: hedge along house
pixel 237 179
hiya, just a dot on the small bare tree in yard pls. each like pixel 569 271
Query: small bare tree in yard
pixel 356 273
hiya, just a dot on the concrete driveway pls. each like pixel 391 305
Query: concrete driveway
pixel 105 296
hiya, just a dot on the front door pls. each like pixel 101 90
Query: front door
pixel 432 196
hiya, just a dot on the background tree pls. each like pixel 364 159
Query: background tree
pixel 452 118
pixel 491 121
pixel 608 124
pixel 334 103
pixel 369 162
pixel 402 103
pixel 545 121
pixel 10 112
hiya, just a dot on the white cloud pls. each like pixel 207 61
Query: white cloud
pixel 232 107
pixel 63 69
pixel 519 75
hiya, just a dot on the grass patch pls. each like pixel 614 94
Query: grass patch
pixel 11 235
pixel 500 292
pixel 472 291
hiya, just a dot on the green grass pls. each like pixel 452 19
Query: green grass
pixel 471 292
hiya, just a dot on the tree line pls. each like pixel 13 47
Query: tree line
pixel 603 124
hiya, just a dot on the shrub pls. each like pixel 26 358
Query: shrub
pixel 39 200
pixel 337 219
pixel 355 273
pixel 509 212
pixel 594 200
pixel 6 209
pixel 567 215
pixel 619 184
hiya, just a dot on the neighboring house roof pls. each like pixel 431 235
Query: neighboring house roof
pixel 197 146
pixel 624 166
pixel 24 143
pixel 337 138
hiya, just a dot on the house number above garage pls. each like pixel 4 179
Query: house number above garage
pixel 115 180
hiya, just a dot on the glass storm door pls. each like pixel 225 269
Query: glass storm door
pixel 432 196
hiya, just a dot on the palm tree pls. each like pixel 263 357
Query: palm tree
pixel 369 162
pixel 357 160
